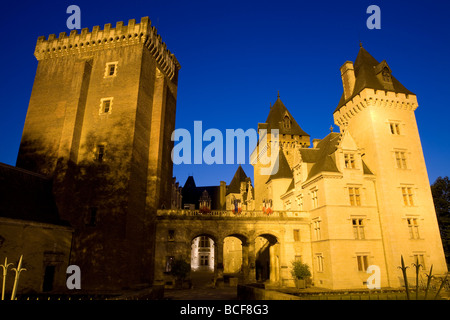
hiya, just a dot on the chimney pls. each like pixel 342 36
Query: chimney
pixel 348 78
pixel 222 195
pixel 316 142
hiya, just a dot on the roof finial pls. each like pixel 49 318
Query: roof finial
pixel 278 93
pixel 331 128
pixel 360 43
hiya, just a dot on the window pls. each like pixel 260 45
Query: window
pixel 358 228
pixel 169 263
pixel 420 258
pixel 300 202
pixel 386 75
pixel 316 226
pixel 92 219
pixel 204 260
pixel 171 235
pixel 400 159
pixel 349 160
pixel 407 194
pixel 314 198
pixel 105 105
pixel 286 122
pixel 413 227
pixel 319 263
pixel 298 258
pixel 363 262
pixel 287 204
pixel 355 196
pixel 395 128
pixel 204 242
pixel 111 69
pixel 296 235
pixel 100 153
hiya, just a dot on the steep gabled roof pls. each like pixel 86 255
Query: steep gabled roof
pixel 283 171
pixel 275 120
pixel 235 184
pixel 321 155
pixel 291 186
pixel 366 68
pixel 366 169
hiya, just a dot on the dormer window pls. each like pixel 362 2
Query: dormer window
pixel 286 122
pixel 349 161
pixel 386 74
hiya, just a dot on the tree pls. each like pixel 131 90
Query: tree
pixel 180 270
pixel 440 190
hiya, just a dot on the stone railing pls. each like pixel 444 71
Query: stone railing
pixel 231 214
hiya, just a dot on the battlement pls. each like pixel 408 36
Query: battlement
pixel 98 39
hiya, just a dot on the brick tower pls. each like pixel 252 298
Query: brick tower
pixel 99 122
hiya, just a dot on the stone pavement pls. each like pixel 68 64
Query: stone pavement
pixel 225 293
pixel 202 289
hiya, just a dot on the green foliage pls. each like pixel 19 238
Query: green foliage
pixel 300 270
pixel 440 190
pixel 180 269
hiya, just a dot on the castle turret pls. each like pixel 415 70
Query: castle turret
pixel 379 115
pixel 291 137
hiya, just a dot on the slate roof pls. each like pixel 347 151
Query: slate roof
pixel 275 120
pixel 291 186
pixel 365 73
pixel 191 193
pixel 284 170
pixel 235 184
pixel 321 156
pixel 25 195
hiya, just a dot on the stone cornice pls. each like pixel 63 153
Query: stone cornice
pixel 370 98
pixel 98 39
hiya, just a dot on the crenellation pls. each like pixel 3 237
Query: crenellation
pixel 98 39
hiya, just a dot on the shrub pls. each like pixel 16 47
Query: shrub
pixel 180 269
pixel 300 270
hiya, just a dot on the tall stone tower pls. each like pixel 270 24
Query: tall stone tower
pixel 99 122
pixel 291 137
pixel 378 112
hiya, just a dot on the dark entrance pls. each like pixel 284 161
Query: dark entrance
pixel 49 277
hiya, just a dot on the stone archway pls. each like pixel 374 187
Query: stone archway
pixel 203 258
pixel 235 258
pixel 267 258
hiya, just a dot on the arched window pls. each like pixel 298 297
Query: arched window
pixel 286 122
pixel 386 75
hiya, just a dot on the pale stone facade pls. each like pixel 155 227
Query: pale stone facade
pixel 356 198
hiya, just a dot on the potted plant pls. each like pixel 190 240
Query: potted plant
pixel 300 271
pixel 180 270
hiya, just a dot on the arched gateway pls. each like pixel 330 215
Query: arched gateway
pixel 251 246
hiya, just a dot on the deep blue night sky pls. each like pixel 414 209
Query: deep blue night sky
pixel 236 55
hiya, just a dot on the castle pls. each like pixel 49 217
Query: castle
pixel 99 125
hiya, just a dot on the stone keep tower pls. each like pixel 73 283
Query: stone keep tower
pixel 378 111
pixel 99 121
